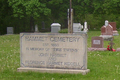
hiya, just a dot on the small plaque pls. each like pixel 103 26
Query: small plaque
pixel 96 41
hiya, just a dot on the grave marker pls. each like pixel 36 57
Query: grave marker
pixel 55 27
pixel 111 44
pixel 36 28
pixel 77 27
pixel 106 31
pixel 9 30
pixel 97 42
pixel 113 24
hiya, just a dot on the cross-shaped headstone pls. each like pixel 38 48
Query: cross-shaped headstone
pixel 111 44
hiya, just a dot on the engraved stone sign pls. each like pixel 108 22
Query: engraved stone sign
pixel 53 52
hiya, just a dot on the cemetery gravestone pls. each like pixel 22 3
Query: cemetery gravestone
pixel 113 24
pixel 97 44
pixel 77 27
pixel 9 30
pixel 59 53
pixel 85 27
pixel 36 28
pixel 107 31
pixel 55 27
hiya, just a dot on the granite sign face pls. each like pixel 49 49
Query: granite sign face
pixel 53 51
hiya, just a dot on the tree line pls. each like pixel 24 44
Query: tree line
pixel 23 15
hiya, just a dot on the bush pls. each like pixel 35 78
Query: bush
pixel 63 31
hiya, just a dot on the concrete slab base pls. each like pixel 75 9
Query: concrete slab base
pixel 115 33
pixel 44 70
pixel 118 49
pixel 97 49
pixel 107 37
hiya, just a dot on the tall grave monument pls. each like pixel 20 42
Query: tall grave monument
pixel 107 31
pixel 115 32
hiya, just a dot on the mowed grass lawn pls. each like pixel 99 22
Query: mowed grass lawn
pixel 103 65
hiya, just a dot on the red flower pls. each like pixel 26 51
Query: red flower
pixel 113 50
pixel 108 48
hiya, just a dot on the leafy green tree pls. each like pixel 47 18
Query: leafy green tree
pixel 32 9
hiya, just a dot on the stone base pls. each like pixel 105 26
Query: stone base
pixel 118 49
pixel 44 70
pixel 107 37
pixel 97 49
pixel 115 33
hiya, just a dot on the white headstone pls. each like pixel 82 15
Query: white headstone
pixel 55 27
pixel 9 30
pixel 85 27
pixel 36 28
pixel 106 22
pixel 77 27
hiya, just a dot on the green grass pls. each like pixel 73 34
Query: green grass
pixel 103 65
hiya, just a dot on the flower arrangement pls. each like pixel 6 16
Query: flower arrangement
pixel 109 48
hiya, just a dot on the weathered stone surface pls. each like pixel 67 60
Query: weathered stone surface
pixel 97 44
pixel 113 24
pixel 55 27
pixel 77 27
pixel 53 51
pixel 97 49
pixel 107 30
pixel 44 70
pixel 118 49
pixel 10 30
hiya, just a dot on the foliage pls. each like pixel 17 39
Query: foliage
pixel 23 15
pixel 63 31
pixel 34 8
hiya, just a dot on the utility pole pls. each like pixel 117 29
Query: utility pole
pixel 70 19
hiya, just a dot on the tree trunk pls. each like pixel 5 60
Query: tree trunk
pixel 32 24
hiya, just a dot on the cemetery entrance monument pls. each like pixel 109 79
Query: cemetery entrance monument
pixel 53 52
